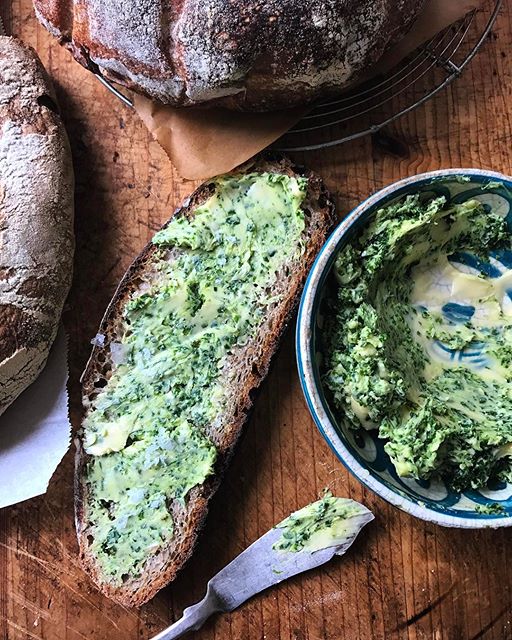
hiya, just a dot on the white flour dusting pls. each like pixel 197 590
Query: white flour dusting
pixel 217 48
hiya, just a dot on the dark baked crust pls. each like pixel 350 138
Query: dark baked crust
pixel 243 54
pixel 36 217
pixel 248 368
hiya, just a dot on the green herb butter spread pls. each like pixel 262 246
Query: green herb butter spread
pixel 492 509
pixel 147 432
pixel 328 522
pixel 391 322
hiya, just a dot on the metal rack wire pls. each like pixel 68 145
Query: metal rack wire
pixel 367 108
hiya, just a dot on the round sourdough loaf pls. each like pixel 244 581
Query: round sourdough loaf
pixel 243 54
pixel 36 218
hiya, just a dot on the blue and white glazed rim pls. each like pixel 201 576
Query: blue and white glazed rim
pixel 311 387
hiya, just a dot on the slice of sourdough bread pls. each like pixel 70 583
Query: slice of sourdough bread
pixel 243 369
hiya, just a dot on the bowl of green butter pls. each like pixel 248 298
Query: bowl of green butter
pixel 404 346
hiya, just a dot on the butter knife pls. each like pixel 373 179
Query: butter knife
pixel 261 566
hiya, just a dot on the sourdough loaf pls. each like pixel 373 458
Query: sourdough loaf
pixel 245 368
pixel 36 218
pixel 245 54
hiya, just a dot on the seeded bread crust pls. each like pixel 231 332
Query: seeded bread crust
pixel 243 54
pixel 244 371
pixel 36 218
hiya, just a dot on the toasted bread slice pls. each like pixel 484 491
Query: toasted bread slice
pixel 243 370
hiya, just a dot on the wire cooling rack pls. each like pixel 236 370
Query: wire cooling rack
pixel 367 108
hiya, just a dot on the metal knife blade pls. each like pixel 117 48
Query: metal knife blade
pixel 259 567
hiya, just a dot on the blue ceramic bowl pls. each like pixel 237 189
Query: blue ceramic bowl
pixel 362 452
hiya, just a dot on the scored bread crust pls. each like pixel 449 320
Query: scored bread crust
pixel 243 54
pixel 36 218
pixel 244 370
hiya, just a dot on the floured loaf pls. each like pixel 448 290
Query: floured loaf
pixel 244 54
pixel 36 218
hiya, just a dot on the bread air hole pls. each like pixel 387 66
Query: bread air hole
pixel 105 370
pixel 100 383
pixel 90 540
pixel 48 102
pixel 125 577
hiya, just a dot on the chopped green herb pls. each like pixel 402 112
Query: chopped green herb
pixel 492 509
pixel 319 525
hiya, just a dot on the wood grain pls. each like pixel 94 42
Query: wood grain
pixel 404 579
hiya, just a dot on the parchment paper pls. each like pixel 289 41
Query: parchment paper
pixel 35 431
pixel 202 143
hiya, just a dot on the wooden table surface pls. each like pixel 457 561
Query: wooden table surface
pixel 404 578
